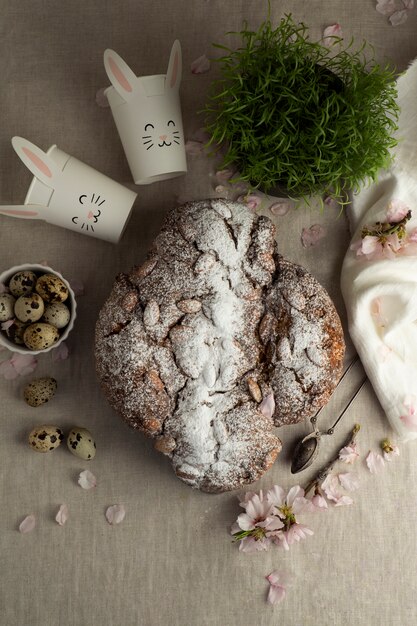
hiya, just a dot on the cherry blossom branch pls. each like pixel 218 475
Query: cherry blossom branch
pixel 325 471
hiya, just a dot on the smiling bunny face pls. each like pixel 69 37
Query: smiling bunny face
pixel 147 113
pixel 69 193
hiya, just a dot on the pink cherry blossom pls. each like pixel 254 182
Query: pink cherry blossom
pixel 349 454
pixel 62 515
pixel 18 365
pixel 279 581
pixel 397 210
pixel 115 514
pixel 257 525
pixel 409 419
pixel 267 406
pixel 372 248
pixel 28 524
pixel 349 481
pixel 332 34
pixel 286 507
pixel 201 65
pixel 375 462
pixel 399 17
pixel 311 236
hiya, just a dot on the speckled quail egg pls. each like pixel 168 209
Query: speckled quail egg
pixel 39 391
pixel 22 283
pixel 6 307
pixel 15 332
pixel 40 336
pixel 45 438
pixel 81 443
pixel 29 308
pixel 57 314
pixel 51 288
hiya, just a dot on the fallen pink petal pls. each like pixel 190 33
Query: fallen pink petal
pixel 386 7
pixel 194 148
pixel 343 501
pixel 397 210
pixel 223 176
pixel 18 365
pixel 280 208
pixel 267 406
pixel 115 514
pixel 200 65
pixel 87 480
pixel 6 325
pixel 60 353
pixel 332 34
pixel 330 486
pixel 349 454
pixel 410 418
pixel 349 481
pixel 375 462
pixel 28 524
pixel 399 17
pixel 311 236
pixel 279 581
pixel 101 98
pixel 252 201
pixel 319 502
pixel 77 286
pixel 62 515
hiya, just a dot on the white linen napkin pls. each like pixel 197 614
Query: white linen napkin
pixel 380 293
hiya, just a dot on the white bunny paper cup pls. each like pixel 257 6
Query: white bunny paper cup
pixel 71 194
pixel 147 114
pixel 12 334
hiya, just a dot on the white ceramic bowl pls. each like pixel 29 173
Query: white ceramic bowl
pixel 71 303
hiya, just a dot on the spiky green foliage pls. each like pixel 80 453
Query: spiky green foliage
pixel 296 114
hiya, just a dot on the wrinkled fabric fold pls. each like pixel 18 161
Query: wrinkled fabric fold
pixel 381 293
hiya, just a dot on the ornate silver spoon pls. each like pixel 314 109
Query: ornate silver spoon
pixel 307 448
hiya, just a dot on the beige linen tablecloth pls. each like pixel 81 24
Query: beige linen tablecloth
pixel 171 562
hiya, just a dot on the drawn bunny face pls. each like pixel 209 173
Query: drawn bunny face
pixel 90 213
pixel 69 193
pixel 147 114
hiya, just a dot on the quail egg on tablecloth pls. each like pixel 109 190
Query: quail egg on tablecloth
pixel 40 336
pixel 57 314
pixel 51 288
pixel 6 307
pixel 29 308
pixel 22 283
pixel 39 391
pixel 81 443
pixel 45 438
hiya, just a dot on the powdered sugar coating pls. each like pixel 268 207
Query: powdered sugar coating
pixel 178 346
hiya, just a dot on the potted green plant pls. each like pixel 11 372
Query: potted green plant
pixel 294 114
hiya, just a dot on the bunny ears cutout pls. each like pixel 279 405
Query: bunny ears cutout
pixel 127 84
pixel 38 162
